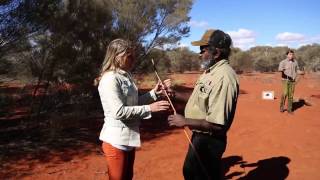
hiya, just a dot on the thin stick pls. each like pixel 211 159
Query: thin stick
pixel 185 128
pixel 165 92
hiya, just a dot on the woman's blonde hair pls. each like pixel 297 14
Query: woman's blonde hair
pixel 113 59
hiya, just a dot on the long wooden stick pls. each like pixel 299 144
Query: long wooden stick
pixel 165 92
pixel 185 128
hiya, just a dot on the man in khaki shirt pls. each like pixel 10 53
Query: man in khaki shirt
pixel 289 69
pixel 210 109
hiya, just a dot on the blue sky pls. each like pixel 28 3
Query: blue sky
pixel 252 22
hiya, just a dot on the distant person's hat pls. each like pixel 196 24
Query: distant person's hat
pixel 204 41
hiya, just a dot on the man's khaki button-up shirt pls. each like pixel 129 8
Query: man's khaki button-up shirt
pixel 289 67
pixel 214 97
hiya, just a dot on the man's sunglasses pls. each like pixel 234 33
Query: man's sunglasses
pixel 203 49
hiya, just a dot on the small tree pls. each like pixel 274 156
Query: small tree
pixel 241 61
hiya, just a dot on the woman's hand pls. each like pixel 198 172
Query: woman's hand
pixel 159 106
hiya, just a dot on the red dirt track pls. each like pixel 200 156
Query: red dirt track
pixel 262 142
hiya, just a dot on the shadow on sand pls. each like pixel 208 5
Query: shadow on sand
pixel 228 162
pixel 274 168
pixel 25 148
pixel 299 104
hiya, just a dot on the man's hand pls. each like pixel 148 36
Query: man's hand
pixel 177 120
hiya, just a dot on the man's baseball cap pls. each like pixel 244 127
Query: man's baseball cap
pixel 204 41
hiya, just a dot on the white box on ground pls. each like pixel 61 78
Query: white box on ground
pixel 268 95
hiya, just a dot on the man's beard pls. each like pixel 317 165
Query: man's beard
pixel 206 64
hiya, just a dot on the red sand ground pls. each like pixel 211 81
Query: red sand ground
pixel 262 142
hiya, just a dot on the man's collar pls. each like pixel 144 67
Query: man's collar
pixel 217 64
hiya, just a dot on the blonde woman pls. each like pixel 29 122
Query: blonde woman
pixel 123 109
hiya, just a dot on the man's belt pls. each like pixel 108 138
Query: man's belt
pixel 219 136
pixel 287 77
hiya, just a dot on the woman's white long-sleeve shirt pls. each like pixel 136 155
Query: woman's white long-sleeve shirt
pixel 123 108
